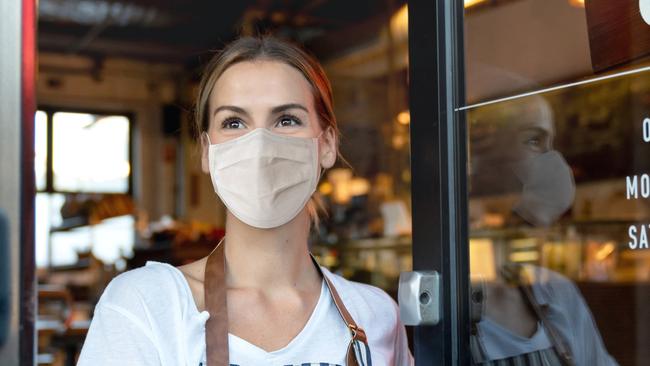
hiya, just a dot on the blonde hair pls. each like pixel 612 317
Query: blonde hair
pixel 272 49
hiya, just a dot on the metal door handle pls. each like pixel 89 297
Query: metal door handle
pixel 419 297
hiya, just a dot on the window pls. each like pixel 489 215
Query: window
pixel 90 153
pixel 83 179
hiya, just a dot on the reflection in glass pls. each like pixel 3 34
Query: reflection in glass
pixel 548 43
pixel 537 263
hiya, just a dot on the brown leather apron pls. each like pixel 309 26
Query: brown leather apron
pixel 216 327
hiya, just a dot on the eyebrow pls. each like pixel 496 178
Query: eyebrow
pixel 284 107
pixel 533 128
pixel 275 110
pixel 230 108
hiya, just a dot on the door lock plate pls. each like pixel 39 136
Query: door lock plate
pixel 419 297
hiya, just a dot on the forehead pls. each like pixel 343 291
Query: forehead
pixel 261 83
pixel 515 115
pixel 536 113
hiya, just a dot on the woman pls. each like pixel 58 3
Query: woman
pixel 268 131
pixel 526 315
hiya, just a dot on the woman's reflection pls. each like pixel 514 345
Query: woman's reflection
pixel 512 152
pixel 526 315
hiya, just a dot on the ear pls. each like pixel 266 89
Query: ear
pixel 205 162
pixel 328 148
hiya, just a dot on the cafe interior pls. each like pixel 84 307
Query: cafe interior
pixel 118 172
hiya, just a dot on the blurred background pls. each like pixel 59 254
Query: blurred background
pixel 118 172
pixel 117 168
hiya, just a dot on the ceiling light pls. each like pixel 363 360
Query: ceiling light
pixel 404 117
pixel 470 3
pixel 577 3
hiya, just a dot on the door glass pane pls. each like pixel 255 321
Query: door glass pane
pixel 517 46
pixel 90 152
pixel 559 184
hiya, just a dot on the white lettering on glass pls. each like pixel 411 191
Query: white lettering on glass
pixel 633 182
pixel 638 236
pixel 631 232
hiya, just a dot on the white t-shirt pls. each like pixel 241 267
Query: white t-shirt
pixel 502 343
pixel 147 316
pixel 567 312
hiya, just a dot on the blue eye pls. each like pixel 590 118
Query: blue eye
pixel 289 121
pixel 232 123
pixel 534 141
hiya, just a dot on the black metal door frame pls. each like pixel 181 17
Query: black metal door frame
pixel 439 174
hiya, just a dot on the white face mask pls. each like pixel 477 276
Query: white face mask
pixel 548 189
pixel 265 179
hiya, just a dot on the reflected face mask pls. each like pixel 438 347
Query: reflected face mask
pixel 265 179
pixel 548 188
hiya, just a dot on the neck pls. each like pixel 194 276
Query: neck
pixel 269 259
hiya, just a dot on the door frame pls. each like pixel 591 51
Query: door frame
pixel 439 174
pixel 28 345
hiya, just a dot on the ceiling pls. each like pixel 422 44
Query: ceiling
pixel 182 31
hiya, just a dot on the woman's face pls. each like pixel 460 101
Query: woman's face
pixel 264 94
pixel 506 135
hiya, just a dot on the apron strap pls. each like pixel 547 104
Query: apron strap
pixel 353 357
pixel 216 327
pixel 477 348
pixel 214 293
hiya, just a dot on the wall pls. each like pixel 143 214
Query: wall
pixel 167 175
pixel 118 85
pixel 10 187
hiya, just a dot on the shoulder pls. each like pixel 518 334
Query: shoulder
pixel 138 290
pixel 366 303
pixel 549 285
pixel 378 315
pixel 561 294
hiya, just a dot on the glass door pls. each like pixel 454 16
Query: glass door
pixel 530 125
pixel 434 297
